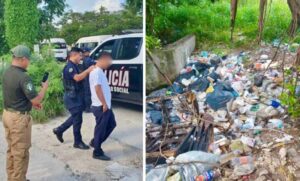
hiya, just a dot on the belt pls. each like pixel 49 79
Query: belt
pixel 17 112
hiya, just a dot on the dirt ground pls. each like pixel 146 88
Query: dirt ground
pixel 51 160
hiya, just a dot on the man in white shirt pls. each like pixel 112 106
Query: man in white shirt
pixel 101 105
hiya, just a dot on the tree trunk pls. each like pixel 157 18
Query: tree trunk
pixel 261 21
pixel 233 10
pixel 294 6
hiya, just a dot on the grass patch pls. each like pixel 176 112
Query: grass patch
pixel 210 22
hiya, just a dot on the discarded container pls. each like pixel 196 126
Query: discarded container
pixel 249 124
pixel 248 141
pixel 258 66
pixel 241 160
pixel 228 156
pixel 245 169
pixel 208 176
pixel 159 173
pixel 210 89
pixel 237 145
pixel 275 103
pixel 264 57
pixel 204 54
pixel 257 130
pixel 197 156
pixel 275 123
pixel 258 80
pixel 156 117
pixel 177 88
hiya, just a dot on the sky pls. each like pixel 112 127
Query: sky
pixel 90 5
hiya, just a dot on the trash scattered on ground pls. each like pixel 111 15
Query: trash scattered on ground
pixel 222 120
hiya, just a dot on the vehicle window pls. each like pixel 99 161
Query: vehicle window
pixel 90 45
pixel 59 45
pixel 55 45
pixel 105 47
pixel 128 48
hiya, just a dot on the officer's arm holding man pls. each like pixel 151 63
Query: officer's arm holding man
pixel 73 98
pixel 82 75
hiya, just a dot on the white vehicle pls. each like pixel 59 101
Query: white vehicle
pixel 125 76
pixel 91 42
pixel 59 47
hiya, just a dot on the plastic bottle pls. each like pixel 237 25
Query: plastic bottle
pixel 241 160
pixel 208 176
pixel 229 156
pixel 275 123
pixel 275 103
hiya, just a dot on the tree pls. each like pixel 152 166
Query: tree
pixel 294 6
pixel 21 20
pixel 134 5
pixel 49 9
pixel 76 25
pixel 3 44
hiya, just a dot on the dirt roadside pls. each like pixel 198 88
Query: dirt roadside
pixel 51 160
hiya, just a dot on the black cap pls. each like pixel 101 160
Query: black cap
pixel 76 49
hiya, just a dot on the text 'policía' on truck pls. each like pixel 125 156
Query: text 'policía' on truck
pixel 125 76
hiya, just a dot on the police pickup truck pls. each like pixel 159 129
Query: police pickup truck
pixel 125 76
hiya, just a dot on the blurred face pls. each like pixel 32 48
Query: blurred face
pixel 105 62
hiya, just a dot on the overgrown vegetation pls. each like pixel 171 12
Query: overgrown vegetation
pixel 53 102
pixel 21 22
pixel 290 97
pixel 210 22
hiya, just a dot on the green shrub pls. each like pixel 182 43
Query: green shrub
pixel 152 43
pixel 53 102
pixel 288 98
pixel 21 20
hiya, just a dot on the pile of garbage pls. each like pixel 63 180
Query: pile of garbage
pixel 236 127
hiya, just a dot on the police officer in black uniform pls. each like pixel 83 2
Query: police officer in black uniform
pixel 87 61
pixel 73 97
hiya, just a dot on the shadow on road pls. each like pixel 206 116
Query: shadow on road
pixel 134 107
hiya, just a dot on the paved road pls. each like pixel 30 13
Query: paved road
pixel 52 161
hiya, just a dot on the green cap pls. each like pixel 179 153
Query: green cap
pixel 21 51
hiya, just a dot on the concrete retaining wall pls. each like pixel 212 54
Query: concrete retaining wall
pixel 171 59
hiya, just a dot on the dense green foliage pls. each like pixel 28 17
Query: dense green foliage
pixel 210 22
pixel 21 22
pixel 77 25
pixel 53 102
pixel 3 44
pixel 289 98
pixel 135 6
pixel 45 11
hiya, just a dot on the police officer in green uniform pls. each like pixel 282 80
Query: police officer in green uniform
pixel 19 97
